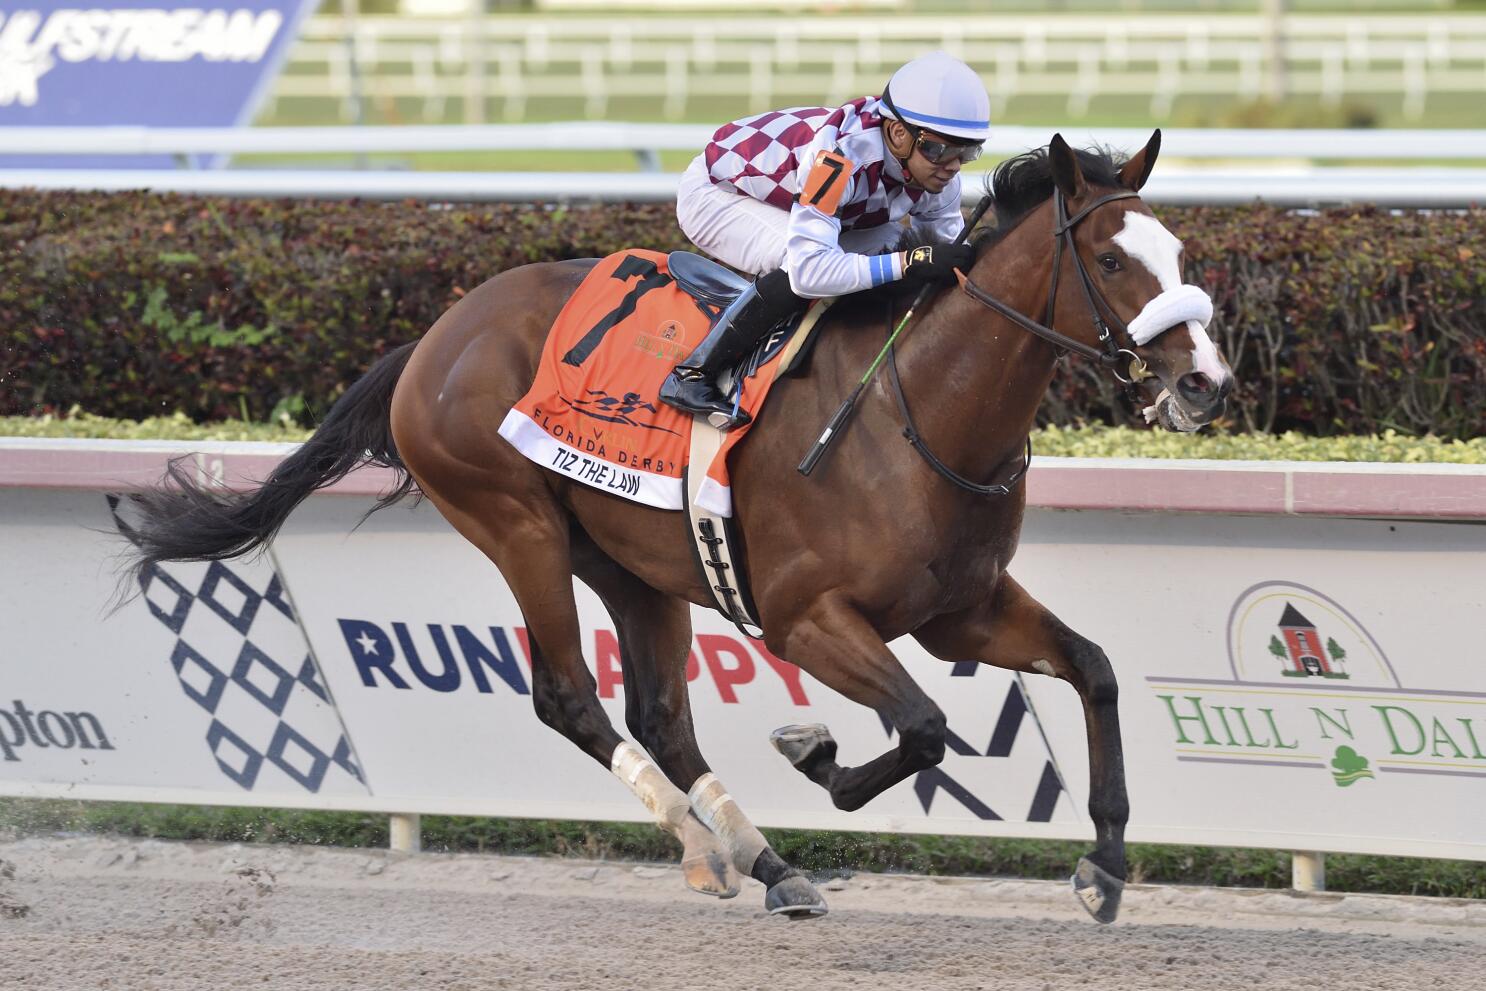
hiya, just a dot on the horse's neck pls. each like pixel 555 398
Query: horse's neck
pixel 974 378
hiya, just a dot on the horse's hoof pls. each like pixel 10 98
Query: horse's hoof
pixel 1098 890
pixel 711 874
pixel 796 898
pixel 802 745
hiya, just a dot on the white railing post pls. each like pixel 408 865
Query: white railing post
pixel 476 42
pixel 1276 81
pixel 406 833
pixel 1308 871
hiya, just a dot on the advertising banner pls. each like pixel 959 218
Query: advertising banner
pixel 200 689
pixel 1298 683
pixel 1318 682
pixel 137 62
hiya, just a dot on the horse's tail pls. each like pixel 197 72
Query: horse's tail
pixel 184 520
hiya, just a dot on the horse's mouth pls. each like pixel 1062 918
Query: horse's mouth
pixel 1175 415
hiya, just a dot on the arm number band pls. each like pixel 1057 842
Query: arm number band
pixel 826 182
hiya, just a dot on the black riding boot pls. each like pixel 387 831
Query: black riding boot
pixel 692 386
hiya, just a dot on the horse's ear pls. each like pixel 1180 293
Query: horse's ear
pixel 1066 171
pixel 1135 172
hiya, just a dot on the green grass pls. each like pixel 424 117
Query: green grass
pixel 1124 442
pixel 1083 442
pixel 815 851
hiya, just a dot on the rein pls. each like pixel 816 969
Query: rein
pixel 916 440
pixel 1111 356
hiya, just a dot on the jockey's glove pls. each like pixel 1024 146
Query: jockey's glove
pixel 937 262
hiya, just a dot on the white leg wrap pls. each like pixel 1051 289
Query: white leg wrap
pixel 715 807
pixel 664 800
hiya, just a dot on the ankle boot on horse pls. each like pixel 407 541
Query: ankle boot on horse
pixel 692 386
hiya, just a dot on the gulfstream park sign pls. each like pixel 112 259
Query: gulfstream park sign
pixel 33 43
pixel 139 64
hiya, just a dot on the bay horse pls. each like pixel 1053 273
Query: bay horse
pixel 885 539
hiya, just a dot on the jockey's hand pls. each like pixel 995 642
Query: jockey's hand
pixel 937 262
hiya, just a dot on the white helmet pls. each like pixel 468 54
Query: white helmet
pixel 939 93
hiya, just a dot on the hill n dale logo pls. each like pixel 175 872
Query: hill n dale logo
pixel 1308 686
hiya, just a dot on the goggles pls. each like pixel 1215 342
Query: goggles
pixel 942 152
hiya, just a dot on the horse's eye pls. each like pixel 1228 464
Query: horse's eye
pixel 1109 263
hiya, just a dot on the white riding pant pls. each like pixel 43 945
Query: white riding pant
pixel 749 234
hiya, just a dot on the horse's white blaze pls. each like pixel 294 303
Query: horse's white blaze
pixel 1145 240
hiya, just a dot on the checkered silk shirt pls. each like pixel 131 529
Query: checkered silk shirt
pixel 766 156
pixel 761 157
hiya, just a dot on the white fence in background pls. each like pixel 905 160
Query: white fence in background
pixel 1194 169
pixel 505 62
pixel 1318 691
pixel 647 140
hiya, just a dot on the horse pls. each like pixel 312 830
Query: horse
pixel 884 539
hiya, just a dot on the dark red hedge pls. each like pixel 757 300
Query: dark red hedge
pixel 131 305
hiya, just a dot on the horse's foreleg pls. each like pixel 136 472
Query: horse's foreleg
pixel 836 645
pixel 1012 630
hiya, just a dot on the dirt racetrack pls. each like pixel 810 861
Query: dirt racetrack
pixel 87 912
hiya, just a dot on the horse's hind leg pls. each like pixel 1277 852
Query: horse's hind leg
pixel 655 638
pixel 1012 630
pixel 654 630
pixel 527 539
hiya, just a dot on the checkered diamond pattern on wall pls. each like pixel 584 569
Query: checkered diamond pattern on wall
pixel 240 655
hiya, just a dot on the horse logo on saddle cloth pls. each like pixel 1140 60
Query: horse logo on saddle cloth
pixel 592 414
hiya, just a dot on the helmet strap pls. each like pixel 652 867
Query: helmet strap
pixel 908 179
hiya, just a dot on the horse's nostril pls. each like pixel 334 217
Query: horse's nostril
pixel 1195 387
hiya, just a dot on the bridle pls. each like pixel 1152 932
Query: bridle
pixel 1110 354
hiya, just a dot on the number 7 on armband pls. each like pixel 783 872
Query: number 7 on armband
pixel 826 182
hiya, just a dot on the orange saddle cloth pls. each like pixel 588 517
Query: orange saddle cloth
pixel 593 412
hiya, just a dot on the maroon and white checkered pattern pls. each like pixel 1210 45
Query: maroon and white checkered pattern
pixel 761 157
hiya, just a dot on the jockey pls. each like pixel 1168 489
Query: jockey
pixel 809 199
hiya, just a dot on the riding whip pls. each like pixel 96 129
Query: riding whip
pixel 844 413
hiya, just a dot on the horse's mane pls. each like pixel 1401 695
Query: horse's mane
pixel 1016 186
pixel 1022 183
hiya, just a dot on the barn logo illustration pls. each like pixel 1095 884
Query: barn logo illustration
pixel 1293 632
pixel 1298 647
pixel 1308 686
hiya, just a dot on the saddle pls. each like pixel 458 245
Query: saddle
pixel 709 283
pixel 704 279
pixel 592 414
